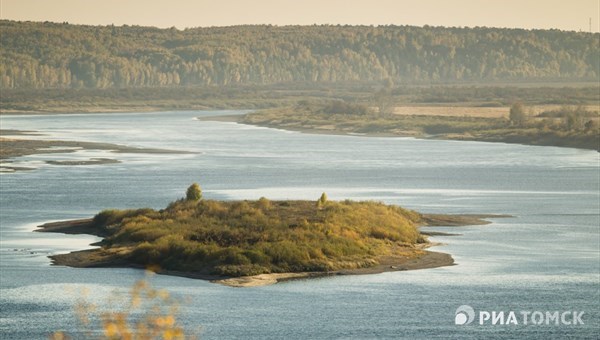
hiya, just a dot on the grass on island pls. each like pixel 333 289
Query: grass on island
pixel 240 238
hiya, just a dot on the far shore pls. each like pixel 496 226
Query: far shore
pixel 542 140
pixel 460 109
pixel 315 131
pixel 95 258
pixel 332 129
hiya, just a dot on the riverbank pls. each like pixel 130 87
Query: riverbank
pixel 407 258
pixel 544 132
pixel 11 148
pixel 463 122
pixel 576 141
pixel 429 259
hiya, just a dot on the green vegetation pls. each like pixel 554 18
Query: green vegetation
pixel 571 131
pixel 55 55
pixel 193 193
pixel 346 79
pixel 253 237
pixel 282 95
pixel 322 200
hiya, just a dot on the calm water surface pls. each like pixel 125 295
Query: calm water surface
pixel 546 258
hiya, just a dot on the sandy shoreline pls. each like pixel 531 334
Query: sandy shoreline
pixel 240 120
pixel 429 259
pixel 93 258
pixel 11 148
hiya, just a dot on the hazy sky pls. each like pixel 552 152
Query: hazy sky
pixel 562 14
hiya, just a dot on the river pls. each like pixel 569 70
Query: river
pixel 545 258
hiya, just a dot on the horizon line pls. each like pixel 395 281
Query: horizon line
pixel 297 25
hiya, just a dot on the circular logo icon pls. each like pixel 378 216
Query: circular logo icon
pixel 464 315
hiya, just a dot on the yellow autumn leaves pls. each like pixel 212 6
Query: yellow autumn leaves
pixel 148 314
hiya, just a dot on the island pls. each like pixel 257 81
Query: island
pixel 249 243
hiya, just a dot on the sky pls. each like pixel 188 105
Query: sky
pixel 570 15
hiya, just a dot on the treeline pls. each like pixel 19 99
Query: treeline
pixel 52 55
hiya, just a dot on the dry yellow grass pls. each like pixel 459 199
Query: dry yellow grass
pixel 452 111
pixel 470 111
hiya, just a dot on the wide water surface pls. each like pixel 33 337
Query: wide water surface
pixel 545 258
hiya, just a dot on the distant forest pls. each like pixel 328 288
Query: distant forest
pixel 53 55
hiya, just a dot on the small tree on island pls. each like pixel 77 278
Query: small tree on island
pixel 322 200
pixel 193 193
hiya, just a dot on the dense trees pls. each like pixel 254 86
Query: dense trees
pixel 50 55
